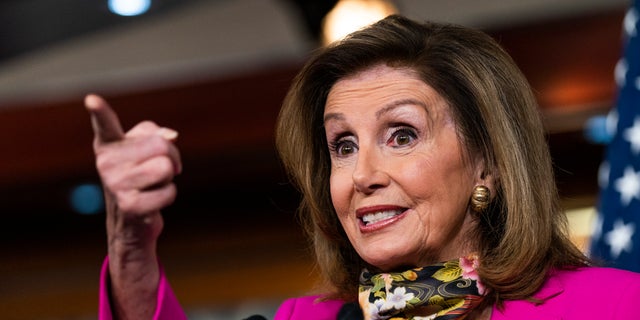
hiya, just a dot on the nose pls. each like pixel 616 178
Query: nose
pixel 369 173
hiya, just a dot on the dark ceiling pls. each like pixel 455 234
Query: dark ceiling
pixel 26 25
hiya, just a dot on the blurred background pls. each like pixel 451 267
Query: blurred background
pixel 217 71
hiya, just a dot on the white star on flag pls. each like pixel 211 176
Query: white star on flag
pixel 603 174
pixel 633 135
pixel 613 239
pixel 628 186
pixel 630 20
pixel 620 237
pixel 620 72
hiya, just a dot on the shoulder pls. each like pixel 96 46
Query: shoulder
pixel 596 275
pixel 607 293
pixel 581 293
pixel 583 281
pixel 308 308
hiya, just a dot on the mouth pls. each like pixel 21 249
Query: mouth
pixel 374 218
pixel 378 216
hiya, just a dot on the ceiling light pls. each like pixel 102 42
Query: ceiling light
pixel 129 7
pixel 350 15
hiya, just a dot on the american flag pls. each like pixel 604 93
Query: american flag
pixel 616 236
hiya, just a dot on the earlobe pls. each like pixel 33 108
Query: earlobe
pixel 487 180
pixel 485 177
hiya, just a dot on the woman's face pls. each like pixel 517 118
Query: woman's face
pixel 399 181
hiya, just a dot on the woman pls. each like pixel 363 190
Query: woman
pixel 428 189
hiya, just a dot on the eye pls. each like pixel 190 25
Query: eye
pixel 403 137
pixel 343 147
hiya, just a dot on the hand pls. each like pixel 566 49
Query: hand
pixel 137 170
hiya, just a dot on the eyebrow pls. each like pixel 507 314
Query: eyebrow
pixel 333 116
pixel 398 103
pixel 391 106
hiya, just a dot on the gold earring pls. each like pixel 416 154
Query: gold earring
pixel 480 198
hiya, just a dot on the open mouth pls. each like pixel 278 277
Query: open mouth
pixel 378 216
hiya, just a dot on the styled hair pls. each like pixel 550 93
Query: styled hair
pixel 522 235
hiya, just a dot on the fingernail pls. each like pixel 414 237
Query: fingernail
pixel 179 169
pixel 91 101
pixel 168 134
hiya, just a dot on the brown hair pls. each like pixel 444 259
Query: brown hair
pixel 523 232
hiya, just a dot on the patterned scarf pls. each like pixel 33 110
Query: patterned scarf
pixel 443 291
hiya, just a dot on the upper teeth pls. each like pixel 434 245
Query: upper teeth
pixel 379 216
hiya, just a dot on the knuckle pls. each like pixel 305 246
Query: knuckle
pixel 149 124
pixel 169 195
pixel 109 182
pixel 126 202
pixel 159 145
pixel 172 192
pixel 103 163
pixel 146 125
pixel 157 170
pixel 165 166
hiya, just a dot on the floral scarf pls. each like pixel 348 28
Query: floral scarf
pixel 448 290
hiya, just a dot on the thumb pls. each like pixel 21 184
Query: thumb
pixel 105 122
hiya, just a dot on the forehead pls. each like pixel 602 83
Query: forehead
pixel 381 85
pixel 377 73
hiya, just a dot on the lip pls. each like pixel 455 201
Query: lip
pixel 372 227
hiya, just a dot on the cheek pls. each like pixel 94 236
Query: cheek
pixel 417 175
pixel 339 188
pixel 441 181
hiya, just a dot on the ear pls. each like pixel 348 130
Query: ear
pixel 485 175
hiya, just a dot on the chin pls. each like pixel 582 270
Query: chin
pixel 390 263
pixel 392 260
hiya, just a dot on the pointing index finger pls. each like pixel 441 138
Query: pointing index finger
pixel 105 122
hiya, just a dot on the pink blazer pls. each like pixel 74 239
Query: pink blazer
pixel 167 307
pixel 586 293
